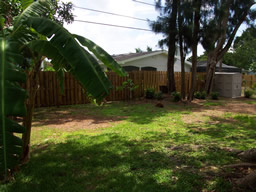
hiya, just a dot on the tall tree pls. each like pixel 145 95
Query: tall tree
pixel 166 24
pixel 219 30
pixel 184 35
pixel 195 37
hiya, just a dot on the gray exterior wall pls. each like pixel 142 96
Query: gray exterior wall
pixel 228 84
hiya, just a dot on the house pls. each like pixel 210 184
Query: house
pixel 149 61
pixel 201 67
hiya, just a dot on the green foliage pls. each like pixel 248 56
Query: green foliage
pixel 28 36
pixel 202 57
pixel 203 95
pixel 150 93
pixel 63 47
pixel 244 51
pixel 12 103
pixel 149 49
pixel 176 96
pixel 197 95
pixel 138 50
pixel 200 95
pixel 129 84
pixel 159 95
pixel 214 95
pixel 59 12
pixel 248 93
pixel 101 54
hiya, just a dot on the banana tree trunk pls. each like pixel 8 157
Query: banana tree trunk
pixel 32 87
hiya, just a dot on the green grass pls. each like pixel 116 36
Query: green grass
pixel 253 102
pixel 150 149
pixel 208 103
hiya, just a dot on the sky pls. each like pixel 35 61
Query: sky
pixel 112 39
pixel 116 40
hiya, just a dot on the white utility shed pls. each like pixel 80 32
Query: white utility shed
pixel 228 84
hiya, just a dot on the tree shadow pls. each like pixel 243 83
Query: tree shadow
pixel 143 112
pixel 107 162
pixel 239 129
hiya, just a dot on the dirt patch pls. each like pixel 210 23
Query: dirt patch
pixel 69 122
pixel 70 119
pixel 216 113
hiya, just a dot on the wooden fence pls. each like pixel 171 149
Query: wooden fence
pixel 249 80
pixel 49 94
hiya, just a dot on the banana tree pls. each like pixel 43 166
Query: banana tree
pixel 66 51
pixel 12 98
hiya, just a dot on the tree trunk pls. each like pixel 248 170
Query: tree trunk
pixel 183 85
pixel 171 48
pixel 220 64
pixel 210 70
pixel 194 48
pixel 182 57
pixel 32 88
pixel 248 182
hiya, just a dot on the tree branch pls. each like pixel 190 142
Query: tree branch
pixel 230 40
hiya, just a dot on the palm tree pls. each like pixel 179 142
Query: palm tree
pixel 27 39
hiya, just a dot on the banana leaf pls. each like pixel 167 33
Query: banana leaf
pixel 101 54
pixel 12 103
pixel 84 67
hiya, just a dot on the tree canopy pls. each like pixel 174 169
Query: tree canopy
pixel 243 54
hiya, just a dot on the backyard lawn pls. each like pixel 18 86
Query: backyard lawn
pixel 136 146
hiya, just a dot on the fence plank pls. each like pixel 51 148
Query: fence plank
pixel 49 91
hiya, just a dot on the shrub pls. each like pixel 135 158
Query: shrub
pixel 176 96
pixel 159 95
pixel 203 95
pixel 150 93
pixel 197 95
pixel 248 93
pixel 215 95
pixel 200 95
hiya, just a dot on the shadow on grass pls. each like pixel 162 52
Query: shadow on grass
pixel 106 163
pixel 238 130
pixel 143 113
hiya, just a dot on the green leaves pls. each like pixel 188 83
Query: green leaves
pixel 12 103
pixel 36 9
pixel 2 20
pixel 101 54
pixel 65 52
pixel 26 3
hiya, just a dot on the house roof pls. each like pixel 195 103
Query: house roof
pixel 204 64
pixel 123 58
pixel 201 67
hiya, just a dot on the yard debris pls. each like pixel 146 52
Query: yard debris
pixel 249 155
pixel 160 105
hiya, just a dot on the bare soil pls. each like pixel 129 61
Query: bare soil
pixel 77 121
pixel 73 119
pixel 216 113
